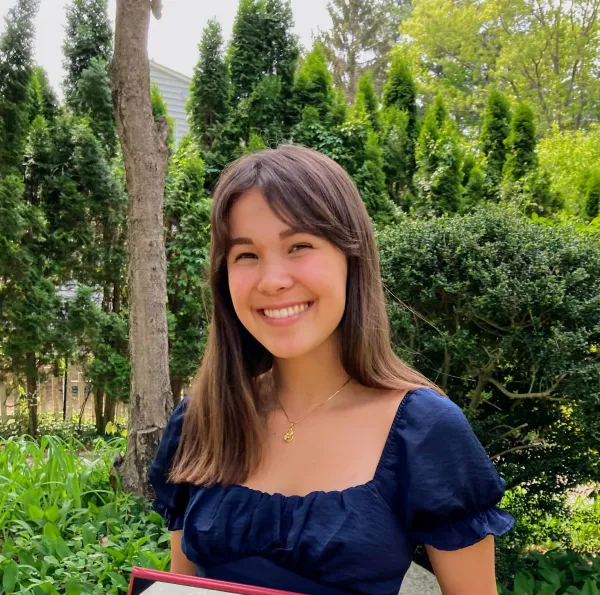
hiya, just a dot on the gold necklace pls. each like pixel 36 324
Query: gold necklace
pixel 289 435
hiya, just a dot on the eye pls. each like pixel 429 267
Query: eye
pixel 298 247
pixel 244 256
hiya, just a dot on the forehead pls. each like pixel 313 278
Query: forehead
pixel 251 215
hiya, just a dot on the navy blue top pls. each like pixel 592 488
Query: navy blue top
pixel 434 484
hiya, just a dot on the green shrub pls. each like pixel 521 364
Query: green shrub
pixel 504 314
pixel 66 526
pixel 557 572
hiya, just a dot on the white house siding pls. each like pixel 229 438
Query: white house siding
pixel 175 89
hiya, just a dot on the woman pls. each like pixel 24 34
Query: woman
pixel 308 457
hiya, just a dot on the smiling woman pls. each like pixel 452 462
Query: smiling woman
pixel 308 457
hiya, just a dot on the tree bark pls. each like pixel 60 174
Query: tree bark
pixel 99 412
pixel 110 407
pixel 145 154
pixel 32 396
pixel 3 411
pixel 176 388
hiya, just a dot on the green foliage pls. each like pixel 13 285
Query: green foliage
pixel 439 164
pixel 592 195
pixel 92 98
pixel 400 92
pixel 16 52
pixel 313 86
pixel 495 131
pixel 262 59
pixel 367 94
pixel 209 102
pixel 262 45
pixel 521 142
pixel 361 35
pixel 527 50
pixel 474 188
pixel 557 572
pixel 397 156
pixel 569 156
pixel 187 223
pixel 504 315
pixel 42 99
pixel 88 36
pixel 312 132
pixel 363 160
pixel 67 527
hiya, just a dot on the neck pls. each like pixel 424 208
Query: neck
pixel 306 382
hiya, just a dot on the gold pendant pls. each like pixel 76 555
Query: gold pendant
pixel 289 435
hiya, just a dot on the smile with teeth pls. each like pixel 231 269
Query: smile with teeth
pixel 286 312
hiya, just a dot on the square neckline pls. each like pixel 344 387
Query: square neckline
pixel 366 485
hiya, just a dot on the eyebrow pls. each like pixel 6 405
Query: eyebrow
pixel 247 241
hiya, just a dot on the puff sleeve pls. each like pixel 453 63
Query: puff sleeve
pixel 449 488
pixel 171 498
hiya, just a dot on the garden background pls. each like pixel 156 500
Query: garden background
pixel 471 130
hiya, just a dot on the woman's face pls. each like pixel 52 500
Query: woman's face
pixel 288 288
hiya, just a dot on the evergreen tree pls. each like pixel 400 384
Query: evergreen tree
pixel 262 45
pixel 396 154
pixel 248 48
pixel 208 105
pixel 363 160
pixel 16 50
pixel 92 98
pixel 592 195
pixel 362 34
pixel 42 99
pixel 88 36
pixel 262 58
pixel 366 93
pixel 400 92
pixel 439 163
pixel 495 131
pixel 521 154
pixel 187 225
pixel 474 187
pixel 314 84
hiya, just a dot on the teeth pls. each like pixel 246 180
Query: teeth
pixel 285 312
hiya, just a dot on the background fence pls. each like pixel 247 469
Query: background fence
pixel 51 396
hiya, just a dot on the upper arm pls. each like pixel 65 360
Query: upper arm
pixel 466 571
pixel 179 562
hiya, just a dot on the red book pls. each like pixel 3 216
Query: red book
pixel 157 582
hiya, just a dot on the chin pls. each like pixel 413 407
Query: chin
pixel 280 351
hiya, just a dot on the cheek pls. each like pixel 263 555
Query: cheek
pixel 327 278
pixel 241 281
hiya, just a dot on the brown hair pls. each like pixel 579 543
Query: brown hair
pixel 224 421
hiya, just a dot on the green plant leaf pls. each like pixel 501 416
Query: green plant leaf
pixel 11 574
pixel 590 588
pixel 72 588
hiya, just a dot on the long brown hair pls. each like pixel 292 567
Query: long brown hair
pixel 224 422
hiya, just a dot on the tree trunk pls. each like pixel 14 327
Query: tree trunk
pixel 176 388
pixel 32 388
pixel 99 412
pixel 3 411
pixel 110 406
pixel 65 390
pixel 145 154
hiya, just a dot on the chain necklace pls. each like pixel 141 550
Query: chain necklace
pixel 289 435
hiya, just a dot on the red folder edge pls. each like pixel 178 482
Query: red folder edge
pixel 206 583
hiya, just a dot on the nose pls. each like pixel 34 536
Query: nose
pixel 274 276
